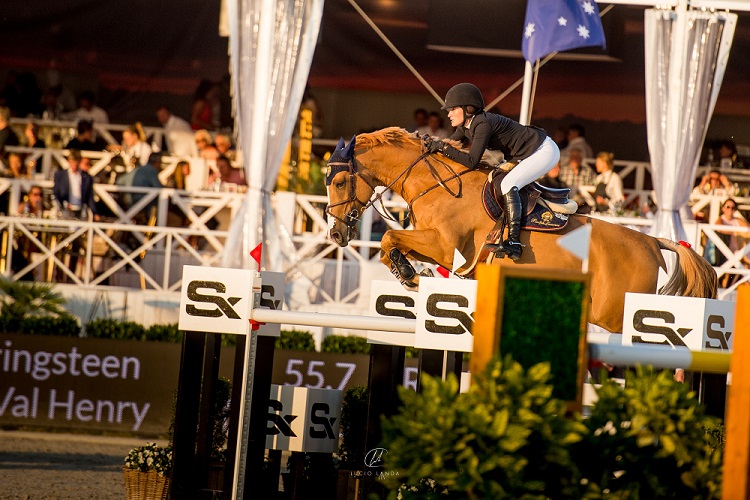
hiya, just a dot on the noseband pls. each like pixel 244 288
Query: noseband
pixel 351 218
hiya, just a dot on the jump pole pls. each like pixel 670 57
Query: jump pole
pixel 658 357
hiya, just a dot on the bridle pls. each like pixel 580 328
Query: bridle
pixel 352 217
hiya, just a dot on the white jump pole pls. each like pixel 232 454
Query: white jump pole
pixel 380 324
pixel 601 347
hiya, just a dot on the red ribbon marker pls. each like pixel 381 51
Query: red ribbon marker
pixel 256 252
pixel 685 244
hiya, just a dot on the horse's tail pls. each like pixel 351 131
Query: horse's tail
pixel 693 275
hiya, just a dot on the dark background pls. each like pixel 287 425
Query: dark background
pixel 138 54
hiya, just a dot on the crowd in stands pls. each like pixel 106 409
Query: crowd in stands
pixel 200 136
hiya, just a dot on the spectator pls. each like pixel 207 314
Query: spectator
pixel 434 127
pixel 228 174
pixel 552 179
pixel 88 110
pixel 31 132
pixel 85 139
pixel 85 164
pixel 33 204
pixel 204 143
pixel 576 174
pixel 734 240
pixel 420 119
pixel 223 144
pixel 202 114
pixel 608 193
pixel 178 133
pixel 147 176
pixel 178 179
pixel 53 108
pixel 713 181
pixel 560 136
pixel 74 189
pixel 576 140
pixel 7 136
pixel 134 149
pixel 16 168
pixel 728 157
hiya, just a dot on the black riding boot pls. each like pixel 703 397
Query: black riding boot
pixel 513 210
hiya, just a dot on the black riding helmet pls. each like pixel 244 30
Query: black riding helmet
pixel 462 95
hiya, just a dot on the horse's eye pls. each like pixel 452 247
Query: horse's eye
pixel 340 184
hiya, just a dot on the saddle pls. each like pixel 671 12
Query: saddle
pixel 545 209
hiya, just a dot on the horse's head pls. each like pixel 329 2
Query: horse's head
pixel 347 197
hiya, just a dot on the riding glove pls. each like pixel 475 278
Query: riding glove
pixel 433 146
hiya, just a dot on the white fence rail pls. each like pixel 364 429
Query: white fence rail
pixel 334 278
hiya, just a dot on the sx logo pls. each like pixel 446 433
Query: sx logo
pixel 224 306
pixel 465 321
pixel 673 337
pixel 322 427
pixel 717 335
pixel 267 294
pixel 279 424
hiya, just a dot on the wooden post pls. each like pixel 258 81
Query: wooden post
pixel 207 415
pixel 386 374
pixel 430 361
pixel 256 448
pixel 737 450
pixel 184 481
pixel 438 364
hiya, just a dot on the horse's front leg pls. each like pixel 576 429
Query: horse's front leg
pixel 423 245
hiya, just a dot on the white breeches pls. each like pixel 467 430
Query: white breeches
pixel 533 167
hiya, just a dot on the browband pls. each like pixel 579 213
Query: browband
pixel 335 167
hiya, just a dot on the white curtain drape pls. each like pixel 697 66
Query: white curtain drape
pixel 271 46
pixel 686 55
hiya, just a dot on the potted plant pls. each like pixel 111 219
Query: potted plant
pixel 147 470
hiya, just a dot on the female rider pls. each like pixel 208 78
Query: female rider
pixel 534 151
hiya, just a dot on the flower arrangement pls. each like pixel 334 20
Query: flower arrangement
pixel 150 458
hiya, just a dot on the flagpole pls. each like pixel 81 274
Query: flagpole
pixel 528 76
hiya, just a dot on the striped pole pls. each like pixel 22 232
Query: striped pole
pixel 605 347
pixel 661 357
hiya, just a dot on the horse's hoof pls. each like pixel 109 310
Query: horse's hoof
pixel 400 264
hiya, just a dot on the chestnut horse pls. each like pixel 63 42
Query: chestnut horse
pixel 446 212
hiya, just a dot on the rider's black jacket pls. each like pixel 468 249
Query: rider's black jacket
pixel 495 132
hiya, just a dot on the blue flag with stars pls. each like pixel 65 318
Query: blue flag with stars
pixel 557 25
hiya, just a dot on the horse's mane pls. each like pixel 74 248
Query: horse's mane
pixel 397 136
pixel 388 136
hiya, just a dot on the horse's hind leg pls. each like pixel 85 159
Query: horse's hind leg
pixel 425 246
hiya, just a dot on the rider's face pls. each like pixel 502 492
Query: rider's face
pixel 456 116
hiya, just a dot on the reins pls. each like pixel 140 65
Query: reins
pixel 352 217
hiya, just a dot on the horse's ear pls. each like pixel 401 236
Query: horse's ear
pixel 341 144
pixel 348 153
